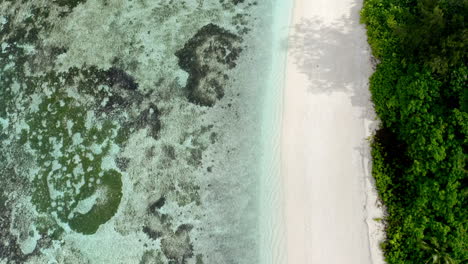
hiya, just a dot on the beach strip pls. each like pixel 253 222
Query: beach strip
pixel 327 116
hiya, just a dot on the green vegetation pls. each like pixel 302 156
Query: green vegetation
pixel 71 147
pixel 69 144
pixel 420 153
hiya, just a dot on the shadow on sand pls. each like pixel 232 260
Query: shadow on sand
pixel 335 57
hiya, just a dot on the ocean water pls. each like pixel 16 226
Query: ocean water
pixel 141 131
pixel 272 226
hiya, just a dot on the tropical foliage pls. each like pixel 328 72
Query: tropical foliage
pixel 420 153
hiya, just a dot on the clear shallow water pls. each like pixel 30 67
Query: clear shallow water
pixel 272 226
pixel 136 132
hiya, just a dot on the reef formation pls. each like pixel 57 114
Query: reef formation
pixel 102 140
pixel 206 57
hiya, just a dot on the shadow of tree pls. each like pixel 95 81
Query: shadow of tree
pixel 335 56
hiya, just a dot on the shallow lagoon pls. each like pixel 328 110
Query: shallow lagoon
pixel 131 131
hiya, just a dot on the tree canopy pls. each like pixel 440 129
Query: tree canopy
pixel 420 153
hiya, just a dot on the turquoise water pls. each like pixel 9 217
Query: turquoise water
pixel 140 131
pixel 272 226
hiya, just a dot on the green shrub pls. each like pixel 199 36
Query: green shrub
pixel 420 152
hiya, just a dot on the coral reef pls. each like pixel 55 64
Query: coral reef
pixel 207 57
pixel 100 150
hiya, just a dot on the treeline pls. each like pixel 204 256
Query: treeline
pixel 420 93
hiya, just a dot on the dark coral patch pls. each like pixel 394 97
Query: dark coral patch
pixel 149 118
pixel 118 77
pixel 235 2
pixel 122 95
pixel 153 234
pixel 157 205
pixel 70 3
pixel 178 247
pixel 206 57
pixel 9 248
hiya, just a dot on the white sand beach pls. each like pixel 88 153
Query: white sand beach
pixel 330 202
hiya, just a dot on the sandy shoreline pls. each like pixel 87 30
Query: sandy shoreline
pixel 330 203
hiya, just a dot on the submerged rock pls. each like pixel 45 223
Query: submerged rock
pixel 118 77
pixel 153 234
pixel 149 118
pixel 157 205
pixel 178 247
pixel 9 247
pixel 207 57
